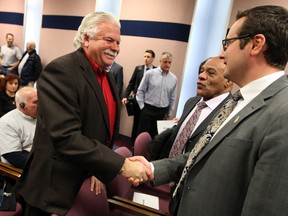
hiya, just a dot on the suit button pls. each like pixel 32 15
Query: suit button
pixel 107 141
pixel 190 188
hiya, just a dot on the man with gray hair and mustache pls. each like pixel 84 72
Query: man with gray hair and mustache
pixel 78 117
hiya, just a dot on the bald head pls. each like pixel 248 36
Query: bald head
pixel 26 101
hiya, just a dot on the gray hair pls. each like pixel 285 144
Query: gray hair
pixel 31 45
pixel 166 55
pixel 90 26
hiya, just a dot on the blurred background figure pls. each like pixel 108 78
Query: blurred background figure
pixel 156 95
pixel 132 87
pixel 117 71
pixel 9 86
pixel 10 56
pixel 30 66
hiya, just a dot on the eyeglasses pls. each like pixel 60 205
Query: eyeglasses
pixel 228 41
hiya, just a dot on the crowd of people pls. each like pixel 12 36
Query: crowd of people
pixel 17 70
pixel 227 155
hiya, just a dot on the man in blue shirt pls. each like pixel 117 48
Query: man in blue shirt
pixel 156 95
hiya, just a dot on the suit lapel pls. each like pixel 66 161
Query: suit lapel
pixel 253 106
pixel 206 121
pixel 90 76
pixel 186 112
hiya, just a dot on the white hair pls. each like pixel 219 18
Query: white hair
pixel 90 26
pixel 23 94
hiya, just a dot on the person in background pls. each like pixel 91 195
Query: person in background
pixel 30 65
pixel 10 56
pixel 77 119
pixel 243 169
pixel 156 95
pixel 117 71
pixel 9 86
pixel 17 128
pixel 133 85
pixel 214 90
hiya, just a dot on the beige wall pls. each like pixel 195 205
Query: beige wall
pixel 57 42
pixel 245 4
pixel 54 42
pixel 16 6
pixel 133 48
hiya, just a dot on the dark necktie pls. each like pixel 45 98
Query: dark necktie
pixel 213 126
pixel 179 144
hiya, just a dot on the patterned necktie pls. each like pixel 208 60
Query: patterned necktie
pixel 179 144
pixel 208 134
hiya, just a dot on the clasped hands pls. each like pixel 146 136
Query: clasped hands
pixel 137 170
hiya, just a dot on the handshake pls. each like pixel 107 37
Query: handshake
pixel 137 170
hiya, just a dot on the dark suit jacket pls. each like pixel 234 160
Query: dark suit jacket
pixel 72 138
pixel 135 80
pixel 161 145
pixel 244 169
pixel 117 71
pixel 31 69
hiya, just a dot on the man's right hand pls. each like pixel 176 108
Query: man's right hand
pixel 136 171
pixel 124 101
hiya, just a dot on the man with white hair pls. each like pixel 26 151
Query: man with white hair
pixel 30 65
pixel 17 128
pixel 78 117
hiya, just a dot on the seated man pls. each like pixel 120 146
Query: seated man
pixel 17 128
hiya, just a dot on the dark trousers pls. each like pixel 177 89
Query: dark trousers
pixel 148 119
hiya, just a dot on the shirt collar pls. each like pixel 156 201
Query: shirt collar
pixel 162 73
pixel 95 66
pixel 214 102
pixel 252 89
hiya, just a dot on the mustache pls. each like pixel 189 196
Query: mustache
pixel 110 52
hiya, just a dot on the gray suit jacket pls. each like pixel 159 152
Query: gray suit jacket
pixel 161 145
pixel 244 169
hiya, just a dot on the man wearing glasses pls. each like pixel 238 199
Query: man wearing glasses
pixel 243 169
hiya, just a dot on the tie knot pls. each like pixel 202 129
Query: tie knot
pixel 202 105
pixel 237 96
pixel 147 68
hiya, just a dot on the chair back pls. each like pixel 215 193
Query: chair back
pixel 17 212
pixel 141 145
pixel 119 186
pixel 88 203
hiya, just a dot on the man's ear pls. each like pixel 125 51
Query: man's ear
pixel 228 83
pixel 86 40
pixel 258 44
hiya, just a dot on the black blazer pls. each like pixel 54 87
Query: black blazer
pixel 135 80
pixel 72 138
pixel 161 145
